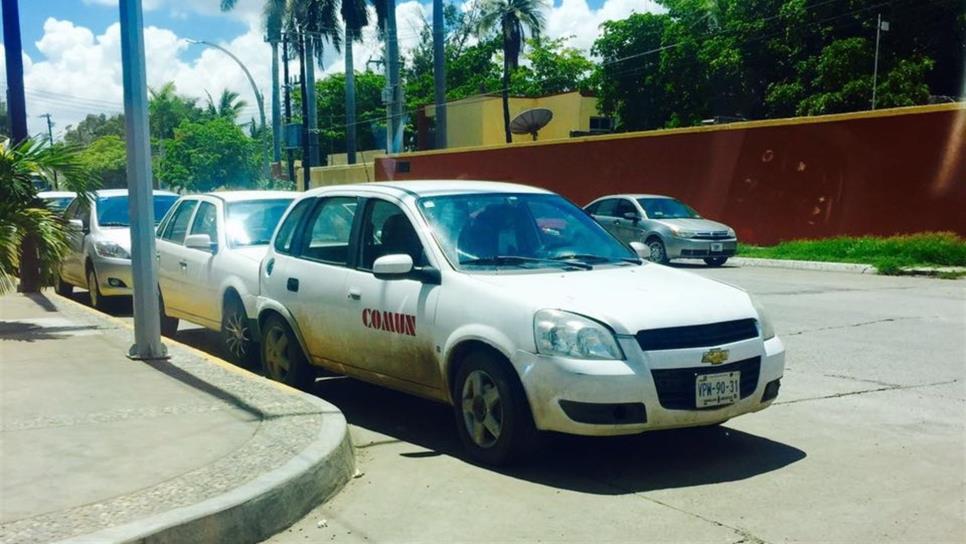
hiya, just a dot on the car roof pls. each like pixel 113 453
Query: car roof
pixel 236 196
pixel 423 188
pixel 103 193
pixel 56 194
pixel 632 195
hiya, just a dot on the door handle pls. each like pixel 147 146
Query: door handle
pixel 292 285
pixel 157 256
pixel 354 294
pixel 183 264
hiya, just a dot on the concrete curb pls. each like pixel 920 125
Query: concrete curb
pixel 805 265
pixel 261 507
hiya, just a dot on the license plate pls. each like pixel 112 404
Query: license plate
pixel 717 389
pixel 717 247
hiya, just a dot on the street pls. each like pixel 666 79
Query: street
pixel 865 442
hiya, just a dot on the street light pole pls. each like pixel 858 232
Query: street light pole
pixel 880 26
pixel 147 321
pixel 259 98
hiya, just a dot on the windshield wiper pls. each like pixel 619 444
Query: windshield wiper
pixel 518 260
pixel 593 258
pixel 113 224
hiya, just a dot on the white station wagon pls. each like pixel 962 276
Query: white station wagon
pixel 511 304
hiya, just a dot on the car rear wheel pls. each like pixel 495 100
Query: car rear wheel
pixel 493 417
pixel 236 333
pixel 658 251
pixel 97 301
pixel 282 356
pixel 715 261
pixel 169 325
pixel 61 287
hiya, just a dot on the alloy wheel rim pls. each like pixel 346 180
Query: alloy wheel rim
pixel 482 409
pixel 657 252
pixel 237 335
pixel 276 353
pixel 92 287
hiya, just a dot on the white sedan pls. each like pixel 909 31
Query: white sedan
pixel 208 250
pixel 511 304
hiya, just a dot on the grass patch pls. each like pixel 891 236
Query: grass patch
pixel 890 255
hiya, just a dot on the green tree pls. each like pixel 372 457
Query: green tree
pixel 512 19
pixel 106 158
pixel 208 155
pixel 229 106
pixel 371 112
pixel 554 68
pixel 355 17
pixel 167 110
pixel 33 239
pixel 94 126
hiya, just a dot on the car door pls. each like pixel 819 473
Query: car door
pixel 310 282
pixel 391 321
pixel 628 228
pixel 201 297
pixel 170 254
pixel 72 268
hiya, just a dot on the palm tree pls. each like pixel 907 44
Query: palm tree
pixel 316 20
pixel 228 106
pixel 512 18
pixel 274 16
pixel 355 17
pixel 33 238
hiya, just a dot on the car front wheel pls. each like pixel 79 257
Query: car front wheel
pixel 236 333
pixel 97 301
pixel 282 356
pixel 658 251
pixel 493 417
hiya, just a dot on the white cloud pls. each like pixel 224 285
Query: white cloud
pixel 576 18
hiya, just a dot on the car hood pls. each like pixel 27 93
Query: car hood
pixel 629 299
pixel 119 235
pixel 693 224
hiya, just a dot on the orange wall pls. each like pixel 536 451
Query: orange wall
pixel 884 172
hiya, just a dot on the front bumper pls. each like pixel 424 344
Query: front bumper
pixel 113 276
pixel 625 385
pixel 691 248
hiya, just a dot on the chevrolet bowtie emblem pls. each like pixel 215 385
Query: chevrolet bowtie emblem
pixel 715 356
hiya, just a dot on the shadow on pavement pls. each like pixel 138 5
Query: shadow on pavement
pixel 606 466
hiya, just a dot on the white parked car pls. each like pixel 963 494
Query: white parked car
pixel 208 250
pixel 57 200
pixel 511 304
pixel 99 236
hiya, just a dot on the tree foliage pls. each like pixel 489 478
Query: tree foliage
pixel 106 158
pixel 207 155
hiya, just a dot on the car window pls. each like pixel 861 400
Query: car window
pixel 387 231
pixel 667 208
pixel 205 221
pixel 607 208
pixel 286 233
pixel 252 222
pixel 112 211
pixel 625 206
pixel 178 225
pixel 328 230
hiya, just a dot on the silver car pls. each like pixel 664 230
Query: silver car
pixel 99 257
pixel 670 228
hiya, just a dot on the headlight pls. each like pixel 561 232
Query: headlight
pixel 731 233
pixel 106 248
pixel 684 233
pixel 570 335
pixel 767 330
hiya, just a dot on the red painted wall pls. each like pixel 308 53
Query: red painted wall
pixel 896 171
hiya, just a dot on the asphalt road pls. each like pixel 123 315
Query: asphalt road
pixel 866 443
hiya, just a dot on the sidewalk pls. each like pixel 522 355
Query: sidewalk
pixel 101 448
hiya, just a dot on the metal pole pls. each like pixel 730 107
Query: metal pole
pixel 147 324
pixel 306 147
pixel 288 109
pixel 395 89
pixel 50 140
pixel 308 92
pixel 350 98
pixel 13 54
pixel 439 72
pixel 259 98
pixel 276 108
pixel 875 70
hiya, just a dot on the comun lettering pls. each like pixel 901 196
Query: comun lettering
pixel 389 321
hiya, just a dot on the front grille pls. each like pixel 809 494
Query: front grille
pixel 675 387
pixel 717 235
pixel 697 336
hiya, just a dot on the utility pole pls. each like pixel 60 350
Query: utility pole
pixel 880 27
pixel 350 98
pixel 394 145
pixel 311 116
pixel 288 109
pixel 276 106
pixel 439 72
pixel 306 146
pixel 147 323
pixel 50 140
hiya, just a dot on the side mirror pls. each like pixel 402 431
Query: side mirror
pixel 201 242
pixel 78 224
pixel 642 250
pixel 392 267
pixel 631 216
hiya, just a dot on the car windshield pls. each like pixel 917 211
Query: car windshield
pixel 545 231
pixel 112 211
pixel 58 203
pixel 667 208
pixel 252 222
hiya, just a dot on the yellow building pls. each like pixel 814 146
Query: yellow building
pixel 478 120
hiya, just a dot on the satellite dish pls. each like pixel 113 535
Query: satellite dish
pixel 531 121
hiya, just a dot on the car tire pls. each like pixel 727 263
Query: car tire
pixel 237 337
pixel 658 251
pixel 169 325
pixel 97 300
pixel 492 413
pixel 61 287
pixel 715 261
pixel 282 356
